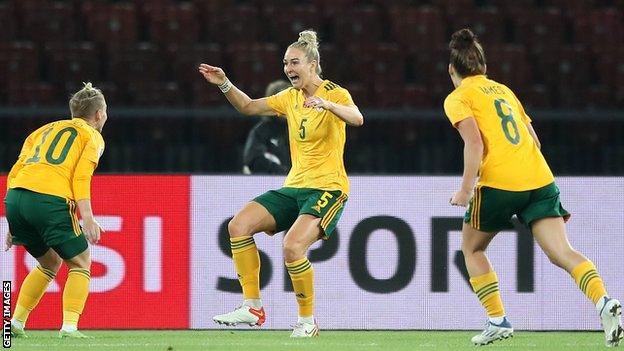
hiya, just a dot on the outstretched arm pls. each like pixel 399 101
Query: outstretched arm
pixel 473 153
pixel 241 101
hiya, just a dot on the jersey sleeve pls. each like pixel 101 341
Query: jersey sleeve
pixel 342 96
pixel 279 102
pixel 87 163
pixel 457 109
pixel 19 164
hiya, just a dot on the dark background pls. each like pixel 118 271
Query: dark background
pixel 564 59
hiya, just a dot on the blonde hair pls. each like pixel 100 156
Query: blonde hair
pixel 467 55
pixel 86 101
pixel 308 43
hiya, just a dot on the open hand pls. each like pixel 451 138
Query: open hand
pixel 8 241
pixel 214 75
pixel 316 102
pixel 92 230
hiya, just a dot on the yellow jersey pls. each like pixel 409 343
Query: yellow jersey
pixel 316 138
pixel 511 159
pixel 59 159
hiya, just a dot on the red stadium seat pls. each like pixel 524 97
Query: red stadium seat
pixel 253 66
pixel 143 62
pixel 9 22
pixel 398 96
pixel 454 7
pixel 374 63
pixel 486 22
pixel 285 22
pixel 508 64
pixel 572 8
pixel 601 29
pixel 510 7
pixel 155 94
pixel 535 96
pixel 186 59
pixel 211 7
pixel 172 23
pixel 233 24
pixel 566 67
pixel 330 8
pixel 19 64
pixel 598 96
pixel 417 28
pixel 358 25
pixel 336 63
pixel 360 94
pixel 111 24
pixel 609 66
pixel 48 21
pixel 387 95
pixel 205 94
pixel 416 96
pixel 33 94
pixel 77 62
pixel 429 66
pixel 539 27
pixel 574 67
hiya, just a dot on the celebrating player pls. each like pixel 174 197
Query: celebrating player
pixel 52 177
pixel 315 190
pixel 502 149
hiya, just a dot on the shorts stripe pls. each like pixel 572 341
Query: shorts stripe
pixel 476 209
pixel 472 210
pixel 72 216
pixel 331 213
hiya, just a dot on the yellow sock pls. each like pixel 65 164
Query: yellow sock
pixel 75 295
pixel 486 288
pixel 33 288
pixel 589 281
pixel 247 262
pixel 302 276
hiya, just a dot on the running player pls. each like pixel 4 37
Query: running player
pixel 501 148
pixel 315 191
pixel 51 178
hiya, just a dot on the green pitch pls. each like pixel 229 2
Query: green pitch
pixel 213 340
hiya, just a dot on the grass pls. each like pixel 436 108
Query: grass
pixel 170 340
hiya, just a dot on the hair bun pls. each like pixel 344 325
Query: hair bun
pixel 309 37
pixel 462 39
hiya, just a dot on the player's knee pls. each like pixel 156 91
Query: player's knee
pixel 293 250
pixel 50 261
pixel 236 228
pixel 53 263
pixel 81 261
pixel 469 250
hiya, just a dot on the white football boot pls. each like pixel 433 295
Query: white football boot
pixel 242 314
pixel 305 330
pixel 493 332
pixel 610 315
